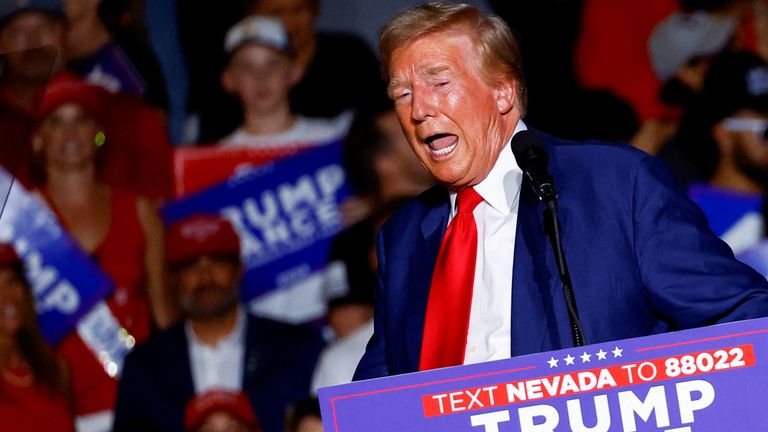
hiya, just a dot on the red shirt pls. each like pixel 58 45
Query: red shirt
pixel 27 407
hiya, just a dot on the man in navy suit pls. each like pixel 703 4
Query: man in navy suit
pixel 218 346
pixel 641 256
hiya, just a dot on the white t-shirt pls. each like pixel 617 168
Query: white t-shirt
pixel 305 132
pixel 339 360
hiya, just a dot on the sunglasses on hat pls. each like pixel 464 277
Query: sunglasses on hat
pixel 741 124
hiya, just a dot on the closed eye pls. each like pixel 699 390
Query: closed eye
pixel 402 95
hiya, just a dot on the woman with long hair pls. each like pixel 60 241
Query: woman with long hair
pixel 34 390
pixel 121 231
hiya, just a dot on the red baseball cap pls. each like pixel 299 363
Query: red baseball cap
pixel 200 235
pixel 69 88
pixel 233 403
pixel 8 255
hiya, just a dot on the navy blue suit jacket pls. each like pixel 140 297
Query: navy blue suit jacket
pixel 157 380
pixel 641 256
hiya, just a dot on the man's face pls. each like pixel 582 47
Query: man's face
pixel 29 31
pixel 208 286
pixel 750 150
pixel 261 77
pixel 455 121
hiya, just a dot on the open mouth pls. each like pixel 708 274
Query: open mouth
pixel 442 144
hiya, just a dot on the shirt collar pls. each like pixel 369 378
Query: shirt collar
pixel 501 187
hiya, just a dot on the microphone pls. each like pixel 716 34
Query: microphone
pixel 533 159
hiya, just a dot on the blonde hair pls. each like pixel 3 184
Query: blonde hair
pixel 498 48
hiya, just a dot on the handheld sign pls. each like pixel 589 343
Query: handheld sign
pixel 285 212
pixel 707 379
pixel 66 283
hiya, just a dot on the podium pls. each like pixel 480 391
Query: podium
pixel 707 379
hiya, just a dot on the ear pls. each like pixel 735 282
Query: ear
pixel 505 93
pixel 37 144
pixel 295 73
pixel 228 81
pixel 724 138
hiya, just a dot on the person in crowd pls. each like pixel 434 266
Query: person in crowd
pixel 734 104
pixel 34 386
pixel 122 231
pixel 212 112
pixel 218 345
pixel 220 411
pixel 304 416
pixel 381 166
pixel 93 52
pixel 681 48
pixel 137 156
pixel 261 71
pixel 31 39
pixel 446 300
pixel 351 319
pixel 341 71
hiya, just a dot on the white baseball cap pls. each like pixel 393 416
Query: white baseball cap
pixel 682 37
pixel 267 31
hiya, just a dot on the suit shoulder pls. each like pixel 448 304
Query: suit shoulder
pixel 593 149
pixel 160 343
pixel 412 211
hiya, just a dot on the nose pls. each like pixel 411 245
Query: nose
pixel 422 105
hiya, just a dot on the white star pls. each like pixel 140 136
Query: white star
pixel 569 359
pixel 585 357
pixel 617 352
pixel 552 362
pixel 601 354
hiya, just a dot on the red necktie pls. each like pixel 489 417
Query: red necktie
pixel 450 294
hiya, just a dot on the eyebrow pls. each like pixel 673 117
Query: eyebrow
pixel 427 72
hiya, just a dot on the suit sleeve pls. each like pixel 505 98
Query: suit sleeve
pixel 130 413
pixel 374 361
pixel 692 278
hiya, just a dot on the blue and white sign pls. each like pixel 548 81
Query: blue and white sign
pixel 286 213
pixel 66 283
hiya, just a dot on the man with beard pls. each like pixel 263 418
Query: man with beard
pixel 217 345
pixel 735 100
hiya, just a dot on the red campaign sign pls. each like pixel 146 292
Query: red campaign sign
pixel 569 384
pixel 197 168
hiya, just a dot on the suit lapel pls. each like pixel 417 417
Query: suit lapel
pixel 536 289
pixel 254 371
pixel 422 263
pixel 178 372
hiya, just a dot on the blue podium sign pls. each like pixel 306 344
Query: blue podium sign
pixel 707 379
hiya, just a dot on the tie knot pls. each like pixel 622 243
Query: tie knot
pixel 467 200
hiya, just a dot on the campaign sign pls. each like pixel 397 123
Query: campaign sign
pixel 198 168
pixel 65 282
pixel 707 379
pixel 285 212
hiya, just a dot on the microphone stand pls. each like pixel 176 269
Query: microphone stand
pixel 548 196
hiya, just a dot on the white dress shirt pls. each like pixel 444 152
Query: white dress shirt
pixel 219 366
pixel 490 319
